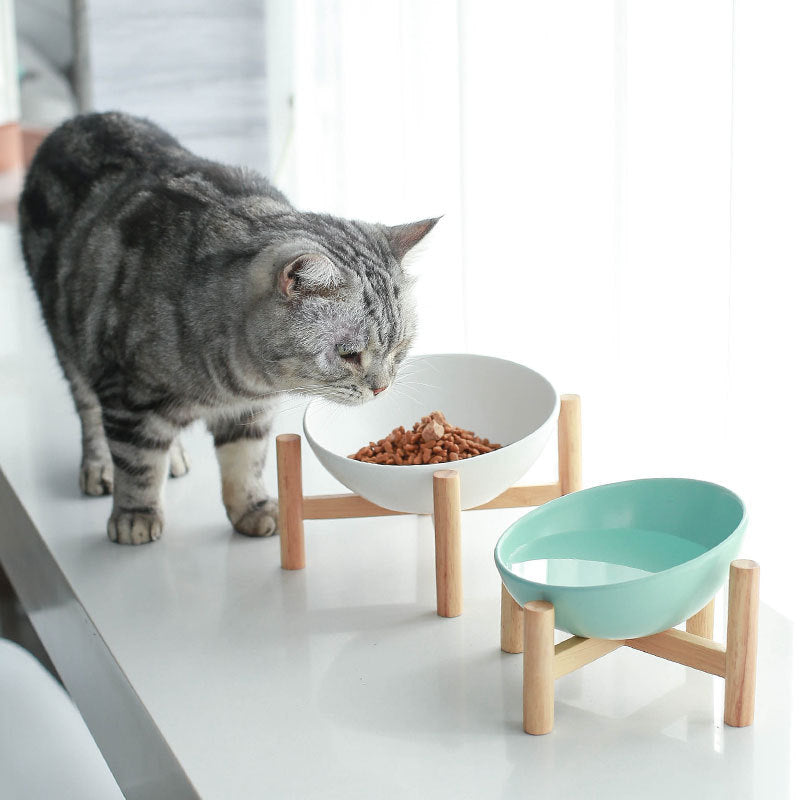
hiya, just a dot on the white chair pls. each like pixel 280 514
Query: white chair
pixel 46 750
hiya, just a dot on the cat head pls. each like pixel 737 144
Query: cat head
pixel 344 307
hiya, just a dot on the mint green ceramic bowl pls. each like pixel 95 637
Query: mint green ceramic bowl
pixel 626 559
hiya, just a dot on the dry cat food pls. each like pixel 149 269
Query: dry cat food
pixel 432 440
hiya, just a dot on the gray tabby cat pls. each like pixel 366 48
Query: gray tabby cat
pixel 175 288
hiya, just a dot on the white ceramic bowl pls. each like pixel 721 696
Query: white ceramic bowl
pixel 500 400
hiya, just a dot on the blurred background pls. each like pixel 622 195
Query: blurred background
pixel 619 184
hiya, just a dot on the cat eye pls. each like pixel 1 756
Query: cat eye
pixel 351 356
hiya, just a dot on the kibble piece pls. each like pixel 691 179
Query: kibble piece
pixel 432 431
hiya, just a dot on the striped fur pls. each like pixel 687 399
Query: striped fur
pixel 175 288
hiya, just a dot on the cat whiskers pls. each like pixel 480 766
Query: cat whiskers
pixel 399 392
pixel 415 384
pixel 411 368
pixel 411 389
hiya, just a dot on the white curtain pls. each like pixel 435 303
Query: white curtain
pixel 620 183
pixel 9 81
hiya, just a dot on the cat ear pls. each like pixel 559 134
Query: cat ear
pixel 403 237
pixel 310 271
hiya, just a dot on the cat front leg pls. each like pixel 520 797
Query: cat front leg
pixel 178 460
pixel 96 475
pixel 241 445
pixel 139 444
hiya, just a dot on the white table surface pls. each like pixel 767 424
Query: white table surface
pixel 204 670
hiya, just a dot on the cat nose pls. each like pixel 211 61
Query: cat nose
pixel 379 390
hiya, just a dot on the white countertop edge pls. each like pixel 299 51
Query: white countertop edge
pixel 142 762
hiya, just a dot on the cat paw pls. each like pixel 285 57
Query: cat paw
pixel 135 527
pixel 96 478
pixel 178 460
pixel 260 519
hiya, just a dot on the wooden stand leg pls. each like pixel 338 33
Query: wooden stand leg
pixel 569 444
pixel 447 526
pixel 511 623
pixel 290 502
pixel 538 677
pixel 740 660
pixel 702 623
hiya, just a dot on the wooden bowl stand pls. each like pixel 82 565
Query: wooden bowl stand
pixel 294 507
pixel 531 630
